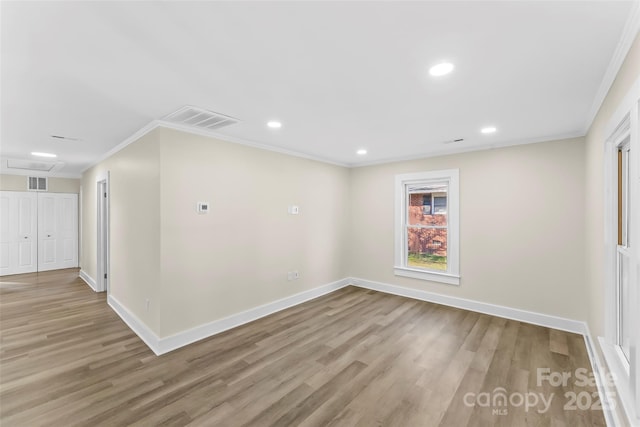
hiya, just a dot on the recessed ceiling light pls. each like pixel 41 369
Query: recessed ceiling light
pixel 488 129
pixel 274 125
pixel 441 69
pixel 35 153
pixel 361 152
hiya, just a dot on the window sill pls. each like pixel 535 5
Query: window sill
pixel 449 279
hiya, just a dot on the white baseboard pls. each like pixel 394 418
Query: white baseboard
pixel 181 339
pixel 539 319
pixel 88 280
pixel 135 324
pixel 569 325
pixel 164 345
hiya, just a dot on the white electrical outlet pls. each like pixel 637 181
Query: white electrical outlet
pixel 293 275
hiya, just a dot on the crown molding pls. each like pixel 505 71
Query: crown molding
pixel 629 33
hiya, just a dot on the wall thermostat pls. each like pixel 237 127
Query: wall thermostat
pixel 203 207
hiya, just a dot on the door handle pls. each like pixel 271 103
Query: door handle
pixel 48 235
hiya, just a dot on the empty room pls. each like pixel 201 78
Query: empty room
pixel 319 213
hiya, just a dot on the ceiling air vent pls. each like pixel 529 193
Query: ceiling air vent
pixel 199 118
pixel 31 165
pixel 36 183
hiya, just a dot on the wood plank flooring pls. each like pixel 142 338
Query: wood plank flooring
pixel 351 358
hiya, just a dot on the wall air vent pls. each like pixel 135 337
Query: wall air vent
pixel 37 183
pixel 199 118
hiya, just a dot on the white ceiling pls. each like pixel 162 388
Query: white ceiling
pixel 339 75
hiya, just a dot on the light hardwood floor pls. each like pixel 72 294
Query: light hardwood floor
pixel 354 357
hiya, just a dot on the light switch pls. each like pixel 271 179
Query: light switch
pixel 294 210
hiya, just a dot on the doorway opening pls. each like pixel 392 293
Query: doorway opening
pixel 103 235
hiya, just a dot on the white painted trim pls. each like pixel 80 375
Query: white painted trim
pixel 241 141
pixel 600 374
pixel 622 123
pixel 451 149
pixel 135 324
pixel 198 333
pixel 231 139
pixel 103 239
pixel 452 177
pixel 131 139
pixel 88 280
pixel 629 33
pixel 433 276
pixel 622 112
pixel 621 378
pixel 211 134
pixel 164 345
pixel 539 319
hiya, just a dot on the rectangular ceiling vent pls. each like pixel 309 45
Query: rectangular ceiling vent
pixel 37 183
pixel 30 165
pixel 199 118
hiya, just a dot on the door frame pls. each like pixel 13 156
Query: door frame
pixel 102 233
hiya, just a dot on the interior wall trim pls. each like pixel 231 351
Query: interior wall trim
pixel 166 344
pixel 88 280
pixel 539 319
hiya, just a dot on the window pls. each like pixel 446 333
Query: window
pixel 621 259
pixel 427 224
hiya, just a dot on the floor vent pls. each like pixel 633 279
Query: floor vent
pixel 199 118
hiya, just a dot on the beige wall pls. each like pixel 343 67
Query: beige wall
pixel 521 226
pixel 200 268
pixel 594 182
pixel 237 256
pixel 56 185
pixel 135 226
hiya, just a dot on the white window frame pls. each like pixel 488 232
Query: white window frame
pixel 625 121
pixel 452 275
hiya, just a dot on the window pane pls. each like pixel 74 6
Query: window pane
pixel 427 248
pixel 427 205
pixel 440 204
pixel 625 325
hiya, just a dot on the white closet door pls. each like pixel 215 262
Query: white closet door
pixel 57 231
pixel 18 232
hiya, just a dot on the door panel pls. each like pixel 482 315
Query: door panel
pixel 68 250
pixel 5 237
pixel 4 256
pixel 38 231
pixel 58 231
pixel 18 232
